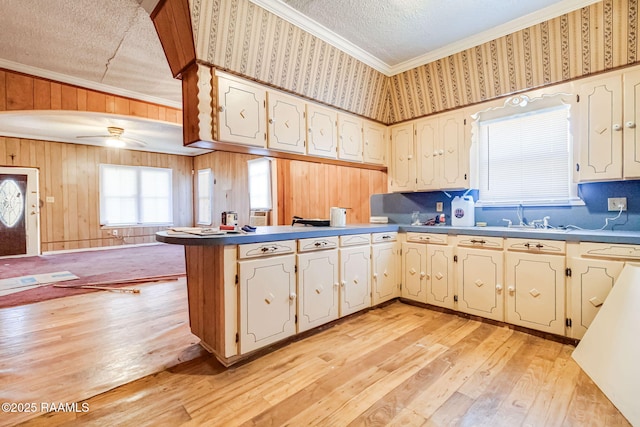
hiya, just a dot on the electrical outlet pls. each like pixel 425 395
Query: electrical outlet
pixel 439 207
pixel 615 203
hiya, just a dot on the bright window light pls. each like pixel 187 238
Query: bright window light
pixel 134 195
pixel 259 183
pixel 205 196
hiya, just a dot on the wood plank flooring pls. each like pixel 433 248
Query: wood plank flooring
pixel 396 365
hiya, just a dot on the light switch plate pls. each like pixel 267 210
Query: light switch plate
pixel 615 203
pixel 50 199
pixel 439 207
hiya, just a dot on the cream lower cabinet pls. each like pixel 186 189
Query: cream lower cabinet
pixel 318 287
pixel 594 269
pixel 480 276
pixel 384 267
pixel 535 284
pixel 428 270
pixel 267 294
pixel 355 273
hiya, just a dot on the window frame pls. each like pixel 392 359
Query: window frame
pixel 270 183
pixel 139 197
pixel 209 197
pixel 522 105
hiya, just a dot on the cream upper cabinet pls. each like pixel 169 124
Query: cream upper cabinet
pixel 267 300
pixel 480 274
pixel 535 288
pixel 402 169
pixel 375 142
pixel 241 112
pixel 322 135
pixel 442 152
pixel 285 123
pixel 609 138
pixel 631 135
pixel 317 288
pixel 349 137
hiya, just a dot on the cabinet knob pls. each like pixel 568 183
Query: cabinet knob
pixel 499 288
pixel 630 125
pixel 441 152
pixel 271 121
pixel 221 108
pixel 355 280
pixel 343 283
pixel 422 274
pixel 335 285
pixel 375 276
pixel 511 290
pixel 409 157
pixel 292 296
pixel 616 127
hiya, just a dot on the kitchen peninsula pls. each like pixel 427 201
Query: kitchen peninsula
pixel 249 291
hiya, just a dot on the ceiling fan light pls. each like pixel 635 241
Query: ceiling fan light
pixel 115 142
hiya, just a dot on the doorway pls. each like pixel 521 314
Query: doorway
pixel 19 212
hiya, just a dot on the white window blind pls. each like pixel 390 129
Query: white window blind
pixel 259 183
pixel 133 195
pixel 205 196
pixel 526 158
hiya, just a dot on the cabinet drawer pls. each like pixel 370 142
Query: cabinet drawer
pixel 318 243
pixel 440 239
pixel 537 246
pixel 355 239
pixel 610 250
pixel 481 242
pixel 384 237
pixel 254 250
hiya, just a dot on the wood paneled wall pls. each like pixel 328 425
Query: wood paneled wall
pixel 22 92
pixel 231 187
pixel 305 189
pixel 309 190
pixel 70 173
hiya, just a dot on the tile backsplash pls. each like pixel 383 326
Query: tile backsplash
pixel 399 206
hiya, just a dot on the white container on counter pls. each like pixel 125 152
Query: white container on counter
pixel 462 212
pixel 338 217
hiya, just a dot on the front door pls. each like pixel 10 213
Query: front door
pixel 19 234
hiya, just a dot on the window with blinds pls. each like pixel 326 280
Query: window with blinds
pixel 526 158
pixel 134 195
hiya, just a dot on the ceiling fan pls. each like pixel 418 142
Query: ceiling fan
pixel 115 138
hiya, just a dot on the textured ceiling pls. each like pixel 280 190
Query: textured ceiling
pixel 402 34
pixel 91 43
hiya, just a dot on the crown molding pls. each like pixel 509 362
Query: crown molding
pixel 87 84
pixel 291 15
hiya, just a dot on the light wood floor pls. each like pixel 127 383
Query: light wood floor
pixel 397 365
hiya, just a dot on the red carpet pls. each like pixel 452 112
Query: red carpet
pixel 90 267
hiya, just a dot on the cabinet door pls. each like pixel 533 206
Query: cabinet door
pixel 535 291
pixel 384 283
pixel 453 152
pixel 590 281
pixel 440 280
pixel 285 123
pixel 322 133
pixel 403 165
pixel 355 286
pixel 241 113
pixel 480 280
pixel 349 138
pixel 427 155
pixel 267 301
pixel 601 129
pixel 317 288
pixel 631 119
pixel 375 143
pixel 414 271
